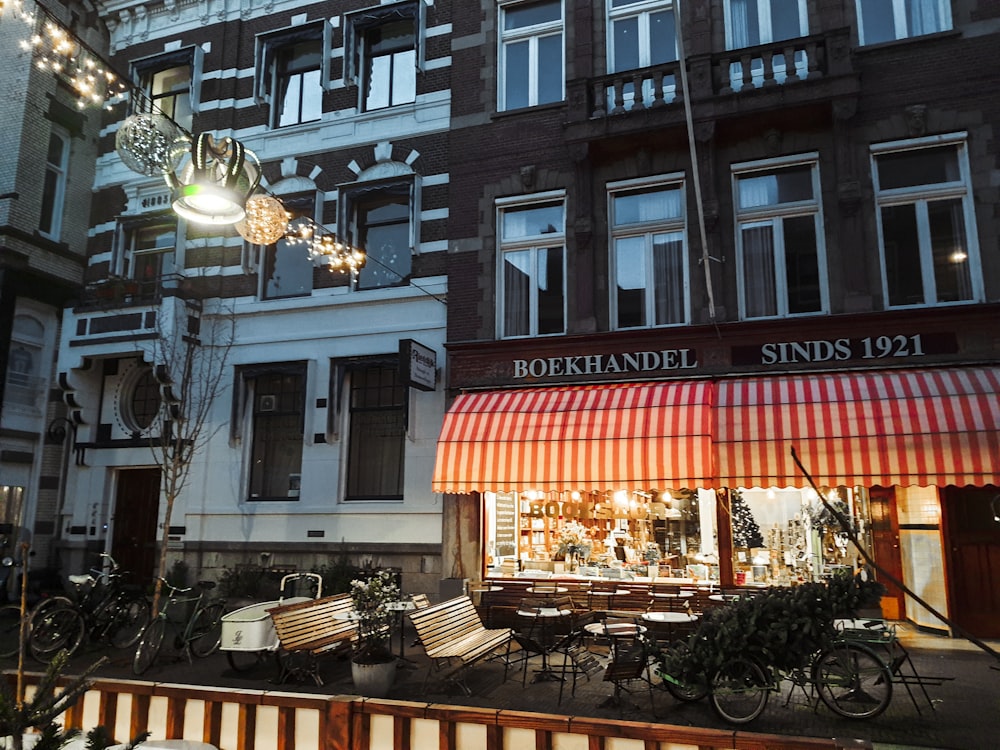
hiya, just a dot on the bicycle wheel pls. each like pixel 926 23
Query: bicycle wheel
pixel 149 646
pixel 55 629
pixel 206 630
pixel 739 691
pixel 688 692
pixel 244 661
pixel 853 681
pixel 128 621
pixel 10 630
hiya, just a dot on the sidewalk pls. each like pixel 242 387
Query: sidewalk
pixel 965 714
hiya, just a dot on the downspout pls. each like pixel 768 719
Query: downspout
pixel 695 171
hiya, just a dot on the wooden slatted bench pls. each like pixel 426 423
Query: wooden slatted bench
pixel 310 630
pixel 454 637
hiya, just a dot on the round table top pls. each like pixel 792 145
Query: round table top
pixel 724 597
pixel 544 612
pixel 618 629
pixel 485 589
pixel 546 589
pixel 401 606
pixel 616 592
pixel 668 617
pixel 672 594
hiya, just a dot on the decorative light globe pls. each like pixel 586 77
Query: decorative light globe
pixel 151 144
pixel 265 222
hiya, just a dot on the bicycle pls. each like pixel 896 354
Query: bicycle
pixel 101 606
pixel 198 633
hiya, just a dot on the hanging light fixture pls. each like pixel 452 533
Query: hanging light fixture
pixel 151 144
pixel 214 186
pixel 266 220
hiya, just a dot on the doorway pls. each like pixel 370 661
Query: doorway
pixel 885 548
pixel 137 508
pixel 971 518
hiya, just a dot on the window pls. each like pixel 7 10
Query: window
pixel 779 242
pixel 383 230
pixel 148 256
pixel 886 20
pixel 276 396
pixel 140 402
pixel 531 54
pixel 753 22
pixel 171 83
pixel 54 186
pixel 532 269
pixel 926 224
pixel 377 431
pixel 292 73
pixel 649 256
pixel 288 271
pixel 643 33
pixel 24 361
pixel 389 64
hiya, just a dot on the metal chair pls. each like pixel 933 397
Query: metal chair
pixel 629 662
pixel 578 660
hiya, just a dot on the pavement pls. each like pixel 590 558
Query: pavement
pixel 962 713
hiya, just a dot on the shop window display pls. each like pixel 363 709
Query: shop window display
pixel 786 536
pixel 649 534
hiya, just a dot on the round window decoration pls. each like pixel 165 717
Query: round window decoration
pixel 141 402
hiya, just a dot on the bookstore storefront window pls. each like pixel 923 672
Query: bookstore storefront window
pixel 779 535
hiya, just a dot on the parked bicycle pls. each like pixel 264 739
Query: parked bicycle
pixel 101 606
pixel 196 622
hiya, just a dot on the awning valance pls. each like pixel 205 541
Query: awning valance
pixel 917 427
pixel 589 438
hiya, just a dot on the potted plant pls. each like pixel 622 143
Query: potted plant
pixel 373 665
pixel 652 557
pixel 574 544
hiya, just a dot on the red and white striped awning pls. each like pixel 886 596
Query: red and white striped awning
pixel 919 427
pixel 624 436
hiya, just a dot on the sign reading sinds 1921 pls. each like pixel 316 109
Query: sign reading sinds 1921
pixel 886 346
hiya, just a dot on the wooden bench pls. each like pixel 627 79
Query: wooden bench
pixel 310 630
pixel 454 637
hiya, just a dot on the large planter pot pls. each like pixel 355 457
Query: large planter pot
pixel 373 680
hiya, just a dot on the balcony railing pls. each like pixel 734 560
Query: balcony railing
pixel 117 291
pixel 767 66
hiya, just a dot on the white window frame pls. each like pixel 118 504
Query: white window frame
pixel 648 230
pixel 763 22
pixel 532 243
pixel 531 34
pixel 266 47
pixel 642 10
pixel 193 57
pixel 772 216
pixel 356 27
pixel 921 195
pixel 59 172
pixel 899 27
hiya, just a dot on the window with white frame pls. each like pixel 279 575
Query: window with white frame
pixel 532 268
pixel 643 34
pixel 54 185
pixel 531 54
pixel 381 219
pixel 926 222
pixel 149 253
pixel 376 436
pixel 171 84
pixel 779 241
pixel 753 22
pixel 649 255
pixel 287 270
pixel 274 396
pixel 887 20
pixel 382 47
pixel 292 73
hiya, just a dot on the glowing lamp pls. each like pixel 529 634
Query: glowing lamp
pixel 215 185
pixel 266 220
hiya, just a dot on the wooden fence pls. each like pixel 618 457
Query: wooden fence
pixel 233 719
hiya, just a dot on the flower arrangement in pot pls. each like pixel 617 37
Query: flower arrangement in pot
pixel 374 620
pixel 575 543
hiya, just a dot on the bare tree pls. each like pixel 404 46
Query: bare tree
pixel 189 354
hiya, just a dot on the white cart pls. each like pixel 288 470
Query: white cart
pixel 248 633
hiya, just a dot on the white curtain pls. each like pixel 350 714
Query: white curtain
pixel 759 291
pixel 924 16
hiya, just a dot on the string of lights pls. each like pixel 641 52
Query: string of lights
pixel 213 181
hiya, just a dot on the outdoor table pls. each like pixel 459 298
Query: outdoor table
pixel 724 597
pixel 545 616
pixel 618 630
pixel 547 589
pixel 670 619
pixel 609 595
pixel 672 594
pixel 401 607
